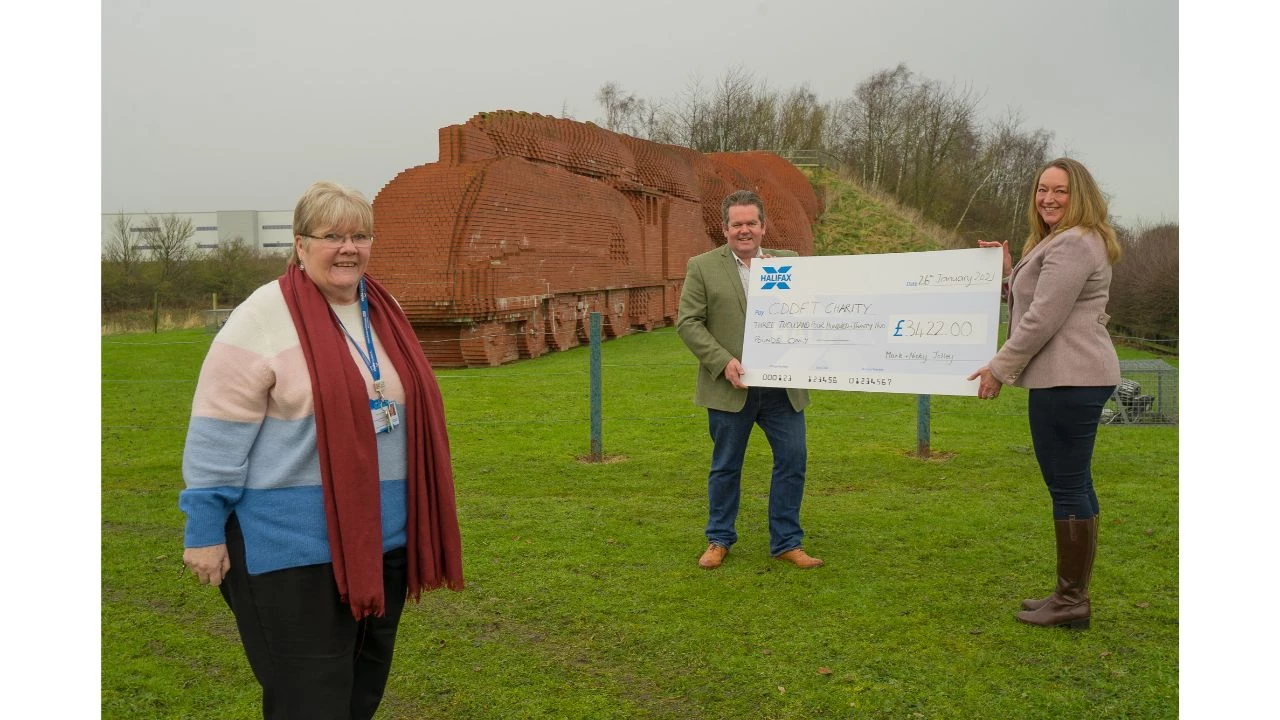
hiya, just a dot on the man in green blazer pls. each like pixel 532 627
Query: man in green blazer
pixel 712 322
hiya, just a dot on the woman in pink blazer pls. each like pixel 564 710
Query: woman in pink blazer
pixel 1059 348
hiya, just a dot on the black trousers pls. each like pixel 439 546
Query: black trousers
pixel 312 658
pixel 1064 426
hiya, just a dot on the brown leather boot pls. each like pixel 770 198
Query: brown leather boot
pixel 1037 603
pixel 1077 542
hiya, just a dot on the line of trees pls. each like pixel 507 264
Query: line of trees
pixel 157 264
pixel 911 137
pixel 1144 286
pixel 915 139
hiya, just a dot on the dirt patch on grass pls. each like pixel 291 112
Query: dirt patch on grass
pixel 604 459
pixel 934 455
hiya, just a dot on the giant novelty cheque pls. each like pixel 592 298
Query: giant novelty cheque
pixel 918 322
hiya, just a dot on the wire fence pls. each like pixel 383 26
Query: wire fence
pixel 678 374
pixel 1171 343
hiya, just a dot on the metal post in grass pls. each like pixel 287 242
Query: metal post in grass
pixel 596 442
pixel 922 427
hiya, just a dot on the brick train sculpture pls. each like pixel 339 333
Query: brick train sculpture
pixel 528 224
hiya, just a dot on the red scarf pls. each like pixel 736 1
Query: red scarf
pixel 349 452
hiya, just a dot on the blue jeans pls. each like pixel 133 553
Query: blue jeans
pixel 784 429
pixel 1064 425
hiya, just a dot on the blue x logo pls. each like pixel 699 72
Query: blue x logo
pixel 776 277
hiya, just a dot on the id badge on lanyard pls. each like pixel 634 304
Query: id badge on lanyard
pixel 386 415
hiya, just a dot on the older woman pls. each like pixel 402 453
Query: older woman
pixel 1058 346
pixel 319 488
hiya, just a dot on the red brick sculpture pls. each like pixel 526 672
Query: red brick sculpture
pixel 528 224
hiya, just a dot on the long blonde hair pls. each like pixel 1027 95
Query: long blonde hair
pixel 1086 208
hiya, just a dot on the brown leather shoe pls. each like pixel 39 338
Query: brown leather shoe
pixel 712 558
pixel 801 559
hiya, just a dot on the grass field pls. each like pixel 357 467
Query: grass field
pixel 583 596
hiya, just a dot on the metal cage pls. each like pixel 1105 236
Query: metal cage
pixel 1147 394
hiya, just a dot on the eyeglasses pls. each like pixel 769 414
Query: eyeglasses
pixel 334 240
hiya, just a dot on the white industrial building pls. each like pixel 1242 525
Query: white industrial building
pixel 271 231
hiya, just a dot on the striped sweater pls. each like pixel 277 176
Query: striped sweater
pixel 251 444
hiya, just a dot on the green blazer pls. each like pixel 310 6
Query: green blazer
pixel 712 322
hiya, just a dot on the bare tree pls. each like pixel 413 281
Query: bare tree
pixel 1015 157
pixel 687 119
pixel 875 122
pixel 943 121
pixel 801 119
pixel 168 241
pixel 617 104
pixel 120 248
pixel 999 174
pixel 649 118
pixel 122 267
pixel 734 111
pixel 626 113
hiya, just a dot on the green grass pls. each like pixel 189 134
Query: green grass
pixel 857 221
pixel 583 596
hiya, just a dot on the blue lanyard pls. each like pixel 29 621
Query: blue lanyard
pixel 370 360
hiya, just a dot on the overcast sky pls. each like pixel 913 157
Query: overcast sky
pixel 240 104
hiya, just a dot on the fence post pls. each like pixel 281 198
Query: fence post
pixel 922 427
pixel 596 442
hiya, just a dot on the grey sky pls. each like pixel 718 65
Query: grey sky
pixel 241 104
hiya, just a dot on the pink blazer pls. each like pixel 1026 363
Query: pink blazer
pixel 1058 316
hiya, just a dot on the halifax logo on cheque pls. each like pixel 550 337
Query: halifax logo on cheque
pixel 775 277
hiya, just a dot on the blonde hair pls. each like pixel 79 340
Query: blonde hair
pixel 1086 208
pixel 327 205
